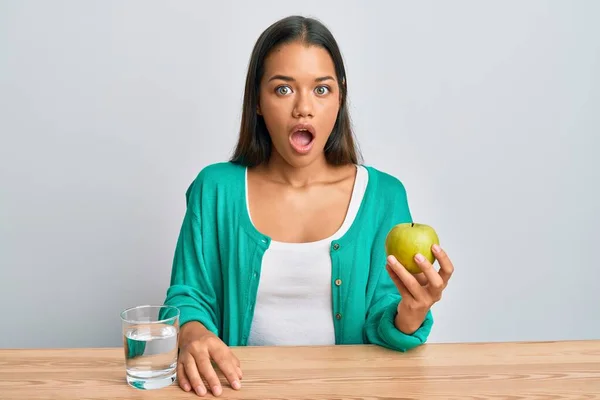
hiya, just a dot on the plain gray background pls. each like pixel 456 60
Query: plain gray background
pixel 489 112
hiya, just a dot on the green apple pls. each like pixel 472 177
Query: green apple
pixel 405 240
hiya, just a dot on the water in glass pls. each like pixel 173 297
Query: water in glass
pixel 150 336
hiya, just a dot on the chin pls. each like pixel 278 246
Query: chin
pixel 302 160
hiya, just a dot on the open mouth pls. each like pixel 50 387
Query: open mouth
pixel 302 138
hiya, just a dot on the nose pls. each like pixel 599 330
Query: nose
pixel 303 106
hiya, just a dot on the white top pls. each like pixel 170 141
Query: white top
pixel 293 306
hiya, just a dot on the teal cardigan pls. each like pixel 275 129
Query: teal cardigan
pixel 217 262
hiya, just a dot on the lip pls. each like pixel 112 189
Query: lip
pixel 307 127
pixel 302 149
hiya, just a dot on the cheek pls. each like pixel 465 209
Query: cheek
pixel 270 109
pixel 329 114
pixel 274 115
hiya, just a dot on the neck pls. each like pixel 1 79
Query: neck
pixel 281 171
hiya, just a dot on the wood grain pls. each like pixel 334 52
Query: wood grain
pixel 546 370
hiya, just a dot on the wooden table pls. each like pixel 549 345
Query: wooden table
pixel 551 370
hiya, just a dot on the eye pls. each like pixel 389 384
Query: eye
pixel 322 90
pixel 283 90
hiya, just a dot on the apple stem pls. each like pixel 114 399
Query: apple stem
pixel 412 224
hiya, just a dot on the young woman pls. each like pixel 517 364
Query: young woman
pixel 284 243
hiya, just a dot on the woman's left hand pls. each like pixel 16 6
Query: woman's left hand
pixel 420 291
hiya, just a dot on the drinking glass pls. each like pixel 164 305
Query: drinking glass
pixel 150 335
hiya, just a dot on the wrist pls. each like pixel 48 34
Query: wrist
pixel 191 330
pixel 408 320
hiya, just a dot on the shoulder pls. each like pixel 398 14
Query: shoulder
pixel 219 173
pixel 385 185
pixel 221 176
pixel 387 200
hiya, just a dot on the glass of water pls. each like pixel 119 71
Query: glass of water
pixel 150 336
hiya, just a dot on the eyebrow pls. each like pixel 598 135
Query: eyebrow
pixel 290 79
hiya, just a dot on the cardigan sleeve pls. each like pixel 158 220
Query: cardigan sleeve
pixel 382 309
pixel 195 287
pixel 380 328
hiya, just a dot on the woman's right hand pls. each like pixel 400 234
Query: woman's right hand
pixel 198 346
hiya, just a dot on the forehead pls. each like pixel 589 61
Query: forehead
pixel 299 61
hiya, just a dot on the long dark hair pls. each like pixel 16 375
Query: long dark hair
pixel 254 143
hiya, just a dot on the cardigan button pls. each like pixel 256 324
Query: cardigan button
pixel 338 282
pixel 336 246
pixel 338 316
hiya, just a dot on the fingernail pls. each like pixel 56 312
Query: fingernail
pixel 216 390
pixel 186 387
pixel 201 390
pixel 436 248
pixel 390 260
pixel 419 258
pixel 236 385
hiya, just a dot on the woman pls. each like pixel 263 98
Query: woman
pixel 284 244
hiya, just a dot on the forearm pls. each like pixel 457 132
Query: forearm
pixel 194 305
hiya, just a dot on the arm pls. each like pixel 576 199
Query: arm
pixel 195 286
pixel 385 325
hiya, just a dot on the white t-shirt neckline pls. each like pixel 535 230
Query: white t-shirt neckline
pixel 358 191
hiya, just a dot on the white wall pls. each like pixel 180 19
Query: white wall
pixel 487 111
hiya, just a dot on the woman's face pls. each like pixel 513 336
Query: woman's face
pixel 299 101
